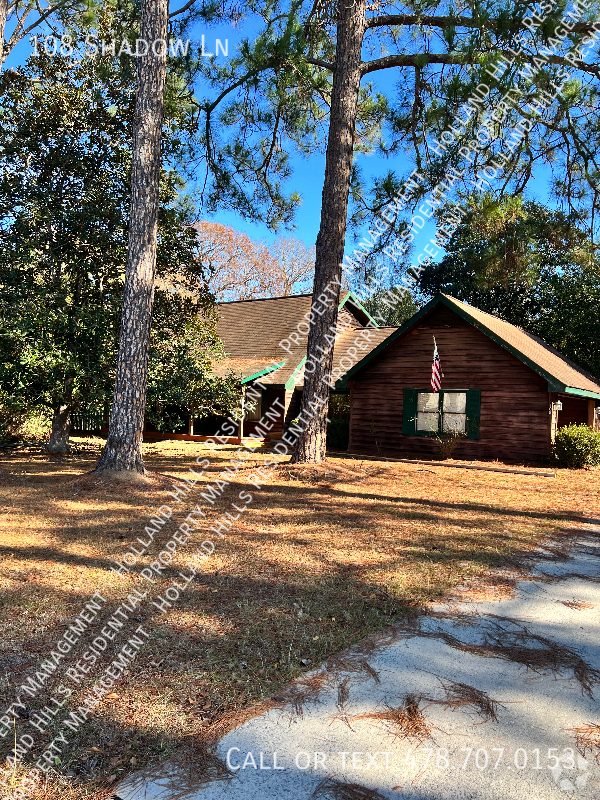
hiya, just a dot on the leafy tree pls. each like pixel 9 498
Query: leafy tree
pixel 391 307
pixel 306 68
pixel 531 265
pixel 26 18
pixel 65 154
pixel 240 268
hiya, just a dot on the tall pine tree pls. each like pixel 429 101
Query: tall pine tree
pixel 310 66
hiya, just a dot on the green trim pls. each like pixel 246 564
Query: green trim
pixel 357 302
pixel 409 412
pixel 473 413
pixel 553 384
pixel 581 393
pixel 291 381
pixel 265 371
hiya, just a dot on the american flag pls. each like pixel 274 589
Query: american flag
pixel 436 369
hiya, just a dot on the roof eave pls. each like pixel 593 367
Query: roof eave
pixel 397 334
pixel 351 296
pixel 554 385
pixel 266 371
pixel 291 381
pixel 581 393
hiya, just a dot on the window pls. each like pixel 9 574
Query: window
pixel 454 412
pixel 427 413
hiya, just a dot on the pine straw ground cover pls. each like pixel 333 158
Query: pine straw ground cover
pixel 322 558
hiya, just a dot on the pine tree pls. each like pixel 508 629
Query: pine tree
pixel 123 449
pixel 306 67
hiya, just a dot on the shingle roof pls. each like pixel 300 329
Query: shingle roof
pixel 346 341
pixel 531 348
pixel 561 373
pixel 251 331
pixel 244 368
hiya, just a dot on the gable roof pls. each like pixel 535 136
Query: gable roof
pixel 345 341
pixel 561 373
pixel 251 331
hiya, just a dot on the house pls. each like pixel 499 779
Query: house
pixel 265 341
pixel 265 345
pixel 503 389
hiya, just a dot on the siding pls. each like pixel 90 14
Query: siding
pixel 514 424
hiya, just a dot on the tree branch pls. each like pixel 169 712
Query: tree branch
pixel 429 21
pixel 416 60
pixel 316 62
pixel 189 4
pixel 20 31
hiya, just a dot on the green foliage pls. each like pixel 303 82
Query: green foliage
pixel 272 98
pixel 532 266
pixel 577 446
pixel 392 307
pixel 16 426
pixel 63 204
pixel 180 370
pixel 65 151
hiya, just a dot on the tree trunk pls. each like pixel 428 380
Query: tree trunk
pixel 351 25
pixel 3 16
pixel 123 450
pixel 61 427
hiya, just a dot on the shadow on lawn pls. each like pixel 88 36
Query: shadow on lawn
pixel 250 621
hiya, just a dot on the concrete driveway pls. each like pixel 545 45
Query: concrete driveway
pixel 476 699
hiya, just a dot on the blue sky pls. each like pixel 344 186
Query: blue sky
pixel 308 173
pixel 307 178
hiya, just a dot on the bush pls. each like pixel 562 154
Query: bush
pixel 447 442
pixel 10 424
pixel 18 427
pixel 37 427
pixel 577 446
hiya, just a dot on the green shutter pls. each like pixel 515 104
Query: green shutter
pixel 473 406
pixel 409 412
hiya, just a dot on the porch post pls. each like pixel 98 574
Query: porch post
pixel 591 414
pixel 241 420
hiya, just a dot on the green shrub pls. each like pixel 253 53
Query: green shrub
pixel 577 446
pixel 37 427
pixel 18 427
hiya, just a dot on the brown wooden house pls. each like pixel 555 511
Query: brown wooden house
pixel 265 345
pixel 504 389
pixel 265 341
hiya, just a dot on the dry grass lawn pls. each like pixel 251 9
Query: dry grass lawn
pixel 321 558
